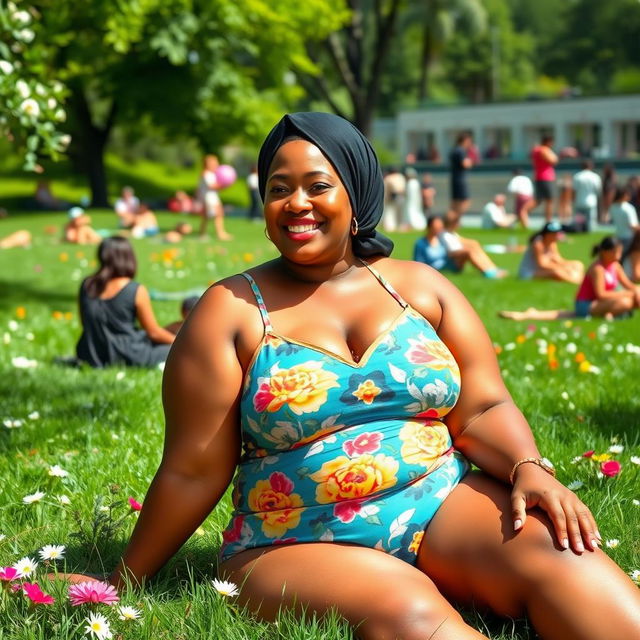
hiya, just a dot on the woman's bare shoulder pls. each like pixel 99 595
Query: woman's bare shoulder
pixel 423 287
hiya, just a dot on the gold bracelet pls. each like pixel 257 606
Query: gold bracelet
pixel 543 463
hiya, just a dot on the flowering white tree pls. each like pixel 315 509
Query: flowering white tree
pixel 31 109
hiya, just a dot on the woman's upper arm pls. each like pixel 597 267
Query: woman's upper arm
pixel 201 391
pixel 144 310
pixel 597 277
pixel 462 331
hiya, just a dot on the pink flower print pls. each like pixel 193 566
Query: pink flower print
pixel 347 511
pixel 234 533
pixel 364 443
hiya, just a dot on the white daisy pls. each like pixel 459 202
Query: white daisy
pixel 616 448
pixel 612 544
pixel 30 107
pixel 34 497
pixel 2 537
pixel 576 459
pixel 6 67
pixel 575 485
pixel 52 552
pixel 11 423
pixel 128 613
pixel 13 325
pixel 636 502
pixel 34 415
pixel 227 589
pixel 57 471
pixel 63 499
pixel 25 567
pixel 98 626
pixel 635 576
pixel 635 459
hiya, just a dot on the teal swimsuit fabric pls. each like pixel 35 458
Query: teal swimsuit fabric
pixel 338 451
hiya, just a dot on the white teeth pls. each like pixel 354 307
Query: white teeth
pixel 302 228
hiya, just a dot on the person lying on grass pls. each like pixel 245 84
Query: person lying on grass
pixel 346 395
pixel 605 292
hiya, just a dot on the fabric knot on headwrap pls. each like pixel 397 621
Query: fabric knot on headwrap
pixel 355 162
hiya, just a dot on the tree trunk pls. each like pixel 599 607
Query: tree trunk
pixel 88 145
pixel 425 64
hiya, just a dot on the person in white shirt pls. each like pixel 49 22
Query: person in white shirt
pixel 462 250
pixel 395 185
pixel 522 189
pixel 494 215
pixel 624 216
pixel 587 188
pixel 413 213
pixel 254 212
pixel 126 207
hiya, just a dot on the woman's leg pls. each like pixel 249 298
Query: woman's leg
pixel 479 258
pixel 557 272
pixel 383 597
pixel 472 554
pixel 537 314
pixel 612 306
pixel 218 223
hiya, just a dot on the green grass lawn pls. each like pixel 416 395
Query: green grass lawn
pixel 105 427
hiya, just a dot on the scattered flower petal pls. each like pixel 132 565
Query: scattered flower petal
pixel 575 485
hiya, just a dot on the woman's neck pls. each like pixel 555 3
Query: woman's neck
pixel 318 273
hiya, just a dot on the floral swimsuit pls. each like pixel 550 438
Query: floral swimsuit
pixel 337 451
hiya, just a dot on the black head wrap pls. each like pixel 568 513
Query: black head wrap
pixel 355 162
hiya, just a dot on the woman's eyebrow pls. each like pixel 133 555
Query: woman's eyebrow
pixel 309 174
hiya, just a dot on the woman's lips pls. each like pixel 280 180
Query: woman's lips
pixel 301 231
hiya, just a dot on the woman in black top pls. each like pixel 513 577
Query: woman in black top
pixel 110 303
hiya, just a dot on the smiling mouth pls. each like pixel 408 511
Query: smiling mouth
pixel 302 228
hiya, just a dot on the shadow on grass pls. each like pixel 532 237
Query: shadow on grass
pixel 22 293
pixel 615 420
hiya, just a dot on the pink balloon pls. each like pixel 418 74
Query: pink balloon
pixel 226 175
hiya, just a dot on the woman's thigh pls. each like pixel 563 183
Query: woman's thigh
pixel 382 596
pixel 473 555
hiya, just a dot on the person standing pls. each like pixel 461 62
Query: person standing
pixel 522 189
pixel 208 196
pixel 254 195
pixel 609 182
pixel 413 214
pixel 428 195
pixel 544 161
pixel 587 188
pixel 394 190
pixel 460 163
pixel 624 217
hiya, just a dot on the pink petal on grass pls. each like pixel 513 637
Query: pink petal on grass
pixel 134 504
pixel 35 593
pixel 92 591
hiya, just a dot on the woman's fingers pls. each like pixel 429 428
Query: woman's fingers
pixel 518 509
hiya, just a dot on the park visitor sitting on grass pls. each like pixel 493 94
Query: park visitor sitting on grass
pixel 542 258
pixel 430 250
pixel 631 259
pixel 110 303
pixel 78 229
pixel 462 250
pixel 605 292
pixel 348 394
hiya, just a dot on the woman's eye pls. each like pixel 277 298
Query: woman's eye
pixel 320 186
pixel 277 189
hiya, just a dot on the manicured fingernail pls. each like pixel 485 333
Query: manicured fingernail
pixel 595 543
pixel 565 543
pixel 517 524
pixel 579 546
pixel 598 535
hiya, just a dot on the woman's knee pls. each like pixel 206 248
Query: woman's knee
pixel 407 616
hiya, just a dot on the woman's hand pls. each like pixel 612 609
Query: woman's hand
pixel 573 522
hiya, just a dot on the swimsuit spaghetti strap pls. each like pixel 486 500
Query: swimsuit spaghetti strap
pixel 399 299
pixel 268 328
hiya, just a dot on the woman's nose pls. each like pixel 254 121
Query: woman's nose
pixel 299 201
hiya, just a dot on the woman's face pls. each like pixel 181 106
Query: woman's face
pixel 211 163
pixel 611 255
pixel 307 209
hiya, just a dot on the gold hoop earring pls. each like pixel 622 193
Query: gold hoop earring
pixel 266 235
pixel 354 227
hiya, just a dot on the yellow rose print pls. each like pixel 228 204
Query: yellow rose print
pixel 348 478
pixel 367 391
pixel 415 542
pixel 302 387
pixel 274 503
pixel 424 442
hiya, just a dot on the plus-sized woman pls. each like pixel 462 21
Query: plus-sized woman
pixel 345 394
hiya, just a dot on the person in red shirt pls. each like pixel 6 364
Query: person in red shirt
pixel 544 160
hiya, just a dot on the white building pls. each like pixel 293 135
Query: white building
pixel 602 127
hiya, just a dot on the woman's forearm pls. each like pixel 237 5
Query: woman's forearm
pixel 173 509
pixel 161 335
pixel 496 439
